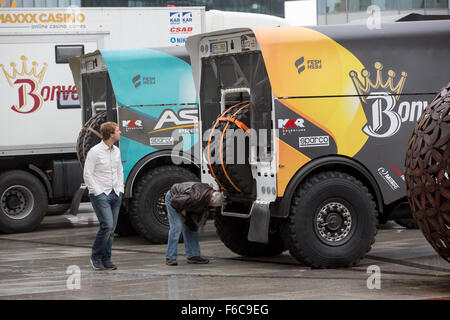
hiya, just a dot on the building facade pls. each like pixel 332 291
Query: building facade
pixel 345 11
pixel 328 11
pixel 273 7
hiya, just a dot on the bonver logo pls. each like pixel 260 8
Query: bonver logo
pixel 27 80
pixel 381 102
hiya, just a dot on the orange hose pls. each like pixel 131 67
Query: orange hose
pixel 229 119
pixel 209 144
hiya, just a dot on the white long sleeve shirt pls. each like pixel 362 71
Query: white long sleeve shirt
pixel 103 171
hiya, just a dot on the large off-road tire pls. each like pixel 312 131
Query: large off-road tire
pixel 124 226
pixel 233 233
pixel 148 213
pixel 23 202
pixel 89 136
pixel 332 221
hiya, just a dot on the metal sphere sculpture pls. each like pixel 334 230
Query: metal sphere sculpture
pixel 427 170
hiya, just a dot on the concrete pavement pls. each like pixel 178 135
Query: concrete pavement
pixel 53 263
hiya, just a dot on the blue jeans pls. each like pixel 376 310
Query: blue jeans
pixel 177 226
pixel 106 208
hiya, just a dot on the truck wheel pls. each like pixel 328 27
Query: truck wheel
pixel 233 233
pixel 23 202
pixel 124 227
pixel 148 213
pixel 88 136
pixel 332 221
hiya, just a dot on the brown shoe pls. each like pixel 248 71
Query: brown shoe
pixel 171 262
pixel 197 260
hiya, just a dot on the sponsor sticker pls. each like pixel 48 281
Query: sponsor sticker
pixel 182 30
pixel 289 126
pixel 314 141
pixel 186 16
pixel 175 17
pixel 132 125
pixel 179 40
pixel 387 177
pixel 162 141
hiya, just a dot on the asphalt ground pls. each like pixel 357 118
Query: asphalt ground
pixel 53 263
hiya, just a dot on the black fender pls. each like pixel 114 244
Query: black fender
pixel 186 159
pixel 327 163
pixel 43 177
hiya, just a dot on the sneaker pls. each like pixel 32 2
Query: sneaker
pixel 171 262
pixel 97 265
pixel 197 260
pixel 109 265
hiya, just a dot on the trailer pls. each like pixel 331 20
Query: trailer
pixel 306 129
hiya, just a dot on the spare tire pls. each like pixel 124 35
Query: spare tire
pixel 89 136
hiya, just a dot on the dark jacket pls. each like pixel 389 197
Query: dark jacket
pixel 194 197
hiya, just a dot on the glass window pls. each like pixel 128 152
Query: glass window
pixel 63 3
pixel 358 5
pixel 52 3
pixel 27 3
pixel 411 4
pixel 321 4
pixel 39 3
pixel 386 4
pixel 336 11
pixel 437 4
pixel 334 6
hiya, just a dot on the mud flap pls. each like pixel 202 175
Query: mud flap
pixel 77 199
pixel 259 222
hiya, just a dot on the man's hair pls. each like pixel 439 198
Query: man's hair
pixel 107 129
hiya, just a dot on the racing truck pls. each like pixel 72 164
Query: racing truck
pixel 306 129
pixel 150 94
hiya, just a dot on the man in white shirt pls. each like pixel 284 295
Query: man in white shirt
pixel 103 175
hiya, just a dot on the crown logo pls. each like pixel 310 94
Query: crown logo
pixel 33 72
pixel 363 89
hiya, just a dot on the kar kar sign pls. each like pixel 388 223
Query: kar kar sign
pixel 27 80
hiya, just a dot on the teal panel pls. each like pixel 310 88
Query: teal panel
pixel 132 151
pixel 149 77
pixel 154 112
